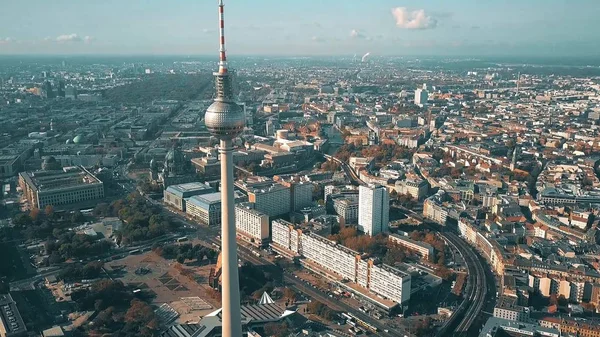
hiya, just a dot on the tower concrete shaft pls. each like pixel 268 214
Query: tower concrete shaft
pixel 225 120
pixel 230 284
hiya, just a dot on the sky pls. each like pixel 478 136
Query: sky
pixel 302 27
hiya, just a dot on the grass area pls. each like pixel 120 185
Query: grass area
pixel 11 265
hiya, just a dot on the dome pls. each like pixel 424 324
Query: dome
pixel 78 139
pixel 50 163
pixel 225 120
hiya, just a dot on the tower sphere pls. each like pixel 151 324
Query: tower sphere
pixel 224 119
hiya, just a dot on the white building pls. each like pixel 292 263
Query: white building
pixel 286 238
pixel 373 210
pixel 205 208
pixel 251 224
pixel 421 97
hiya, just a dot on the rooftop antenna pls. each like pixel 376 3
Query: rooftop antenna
pixel 222 56
pixel 518 81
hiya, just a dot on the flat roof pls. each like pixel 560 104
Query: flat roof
pixel 48 181
pixel 8 313
pixel 188 189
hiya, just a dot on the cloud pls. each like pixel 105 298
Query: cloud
pixel 7 40
pixel 208 31
pixel 355 34
pixel 318 39
pixel 416 19
pixel 89 39
pixel 475 27
pixel 69 38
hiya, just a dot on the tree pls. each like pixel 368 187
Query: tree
pixel 34 214
pixel 4 287
pixel 77 217
pixel 276 329
pixel 22 220
pixel 49 211
pixel 290 295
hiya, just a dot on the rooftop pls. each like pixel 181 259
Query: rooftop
pixel 47 181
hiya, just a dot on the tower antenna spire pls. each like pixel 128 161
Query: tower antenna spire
pixel 222 55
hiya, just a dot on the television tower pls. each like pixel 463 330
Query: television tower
pixel 225 120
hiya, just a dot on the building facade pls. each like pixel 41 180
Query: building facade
pixel 251 224
pixel 425 250
pixel 206 208
pixel 374 209
pixel 274 200
pixel 71 185
pixel 176 195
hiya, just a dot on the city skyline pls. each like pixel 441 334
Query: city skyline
pixel 302 28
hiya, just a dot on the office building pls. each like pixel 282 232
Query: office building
pixel 374 209
pixel 176 195
pixel 206 208
pixel 251 224
pixel 300 195
pixel 273 200
pixel 9 165
pixel 68 186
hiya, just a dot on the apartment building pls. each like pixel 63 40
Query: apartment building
pixel 252 225
pixel 424 250
pixel 373 210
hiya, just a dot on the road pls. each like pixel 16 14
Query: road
pixel 245 255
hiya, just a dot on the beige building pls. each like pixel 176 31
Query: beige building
pixel 252 225
pixel 425 250
pixel 71 185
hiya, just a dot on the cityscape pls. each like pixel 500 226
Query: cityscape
pixel 314 195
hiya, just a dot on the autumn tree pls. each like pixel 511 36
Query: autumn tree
pixel 49 211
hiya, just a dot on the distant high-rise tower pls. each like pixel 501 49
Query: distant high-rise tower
pixel 373 209
pixel 421 97
pixel 513 162
pixel 225 120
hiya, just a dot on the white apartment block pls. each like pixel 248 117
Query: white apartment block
pixel 374 209
pixel 286 237
pixel 329 255
pixel 389 283
pixel 251 224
